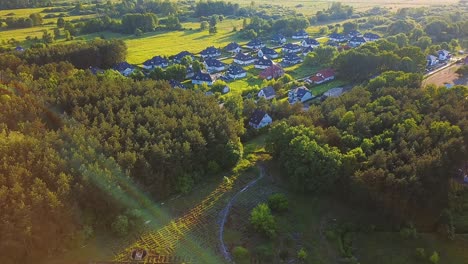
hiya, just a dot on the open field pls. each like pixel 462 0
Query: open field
pixel 446 76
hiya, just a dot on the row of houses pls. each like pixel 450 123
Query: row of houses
pixel 441 56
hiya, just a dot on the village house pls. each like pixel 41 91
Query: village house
pixel 299 95
pixel 267 52
pixel 322 76
pixel 301 34
pixel 307 50
pixel 260 119
pixel 255 44
pixel 201 78
pixel 263 63
pixel 278 39
pixel 354 33
pixel 210 52
pixel 431 60
pixel 337 37
pixel 214 65
pixel 236 72
pixel 267 93
pixel 190 73
pixel 156 61
pixel 310 43
pixel 244 59
pixel 443 55
pixel 179 56
pixel 357 41
pixel 233 47
pixel 291 48
pixel 291 59
pixel 19 49
pixel 371 36
pixel 273 72
pixel 176 84
pixel 124 68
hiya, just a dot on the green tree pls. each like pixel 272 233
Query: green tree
pixel 434 259
pixel 302 255
pixel 278 202
pixel 263 221
pixel 60 22
pixel 120 226
pixel 241 255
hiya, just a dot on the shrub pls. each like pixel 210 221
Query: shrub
pixel 434 258
pixel 278 202
pixel 421 253
pixel 120 226
pixel 302 254
pixel 241 255
pixel 263 221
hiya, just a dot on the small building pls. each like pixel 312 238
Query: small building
pixel 176 84
pixel 210 52
pixel 236 72
pixel 273 72
pixel 307 50
pixel 267 93
pixel 19 49
pixel 291 59
pixel 278 39
pixel 267 52
pixel 124 68
pixel 244 59
pixel 263 63
pixel 226 90
pixel 334 92
pixel 233 47
pixel 96 70
pixel 301 34
pixel 354 33
pixel 357 41
pixel 299 95
pixel 431 60
pixel 214 65
pixel 337 37
pixel 156 61
pixel 190 73
pixel 323 76
pixel 310 43
pixel 443 55
pixel 291 48
pixel 178 57
pixel 371 36
pixel 255 44
pixel 260 119
pixel 201 78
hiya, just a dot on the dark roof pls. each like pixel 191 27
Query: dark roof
pixel 268 51
pixel 123 66
pixel 243 57
pixel 213 63
pixel 176 84
pixel 269 91
pixel 255 42
pixel 201 76
pixel 182 54
pixel 301 32
pixel 277 37
pixel 189 70
pixel 232 46
pixel 370 35
pixel 337 36
pixel 291 57
pixel 307 50
pixel 257 117
pixel 95 70
pixel 311 41
pixel 357 39
pixel 19 48
pixel 291 46
pixel 210 51
pixel 354 33
pixel 273 71
pixel 235 70
pixel 301 91
pixel 157 60
pixel 264 62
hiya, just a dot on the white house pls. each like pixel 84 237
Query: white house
pixel 371 36
pixel 201 77
pixel 278 39
pixel 291 59
pixel 260 119
pixel 267 52
pixel 299 94
pixel 214 65
pixel 443 55
pixel 255 44
pixel 301 34
pixel 357 41
pixel 124 68
pixel 291 48
pixel 236 72
pixel 156 61
pixel 244 59
pixel 431 60
pixel 179 56
pixel 263 63
pixel 233 47
pixel 267 93
pixel 210 52
pixel 310 43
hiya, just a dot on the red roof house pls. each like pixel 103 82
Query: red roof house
pixel 274 71
pixel 323 76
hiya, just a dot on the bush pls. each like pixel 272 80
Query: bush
pixel 120 226
pixel 264 252
pixel 241 255
pixel 278 202
pixel 302 254
pixel 421 253
pixel 263 221
pixel 434 258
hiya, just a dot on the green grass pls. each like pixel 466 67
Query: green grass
pixel 322 88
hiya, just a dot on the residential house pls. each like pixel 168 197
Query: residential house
pixel 190 73
pixel 19 49
pixel 214 65
pixel 337 37
pixel 210 52
pixel 299 95
pixel 226 90
pixel 267 93
pixel 124 68
pixel 291 48
pixel 236 72
pixel 354 33
pixel 443 55
pixel 244 59
pixel 233 47
pixel 267 52
pixel 357 41
pixel 260 119
pixel 202 77
pixel 291 59
pixel 310 43
pixel 156 61
pixel 323 76
pixel 255 44
pixel 344 47
pixel 307 50
pixel 371 36
pixel 334 92
pixel 177 84
pixel 96 70
pixel 272 72
pixel 431 60
pixel 301 34
pixel 278 39
pixel 178 57
pixel 263 63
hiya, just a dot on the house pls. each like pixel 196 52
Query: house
pixel 310 43
pixel 301 34
pixel 307 50
pixel 124 68
pixel 431 60
pixel 272 72
pixel 178 57
pixel 176 84
pixel 260 119
pixel 96 70
pixel 226 90
pixel 210 52
pixel 334 92
pixel 291 48
pixel 443 55
pixel 214 65
pixel 233 47
pixel 236 72
pixel 323 76
pixel 255 44
pixel 371 36
pixel 156 61
pixel 354 33
pixel 344 47
pixel 244 59
pixel 357 41
pixel 267 93
pixel 263 63
pixel 278 39
pixel 337 37
pixel 291 59
pixel 267 52
pixel 19 49
pixel 202 77
pixel 190 73
pixel 299 94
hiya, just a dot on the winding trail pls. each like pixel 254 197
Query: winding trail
pixel 225 213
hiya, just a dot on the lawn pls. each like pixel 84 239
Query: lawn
pixel 322 88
